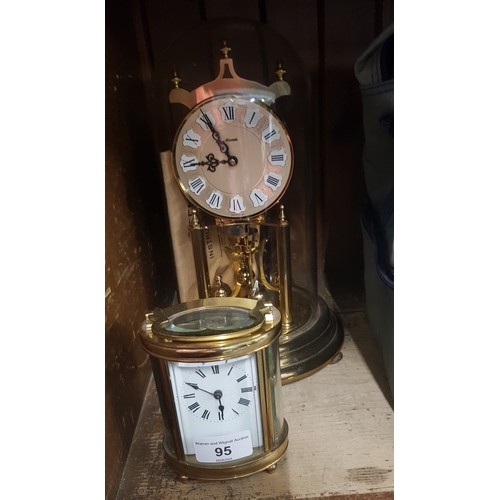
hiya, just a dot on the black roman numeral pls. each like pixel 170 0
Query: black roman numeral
pixel 195 141
pixel 236 205
pixel 200 373
pixel 205 415
pixel 277 157
pixel 243 377
pixel 228 112
pixel 194 407
pixel 246 389
pixel 214 200
pixel 221 415
pixel 189 163
pixel 215 369
pixel 273 180
pixel 258 197
pixel 270 134
pixel 187 396
pixel 206 120
pixel 244 402
pixel 197 185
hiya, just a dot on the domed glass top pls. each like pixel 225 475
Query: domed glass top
pixel 206 321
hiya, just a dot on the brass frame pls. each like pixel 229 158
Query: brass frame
pixel 209 473
pixel 257 340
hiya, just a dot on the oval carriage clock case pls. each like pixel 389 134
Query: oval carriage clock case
pixel 233 125
pixel 217 374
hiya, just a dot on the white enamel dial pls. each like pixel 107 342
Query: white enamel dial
pixel 214 400
pixel 233 157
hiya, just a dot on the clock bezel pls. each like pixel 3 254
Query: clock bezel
pixel 158 342
pixel 185 189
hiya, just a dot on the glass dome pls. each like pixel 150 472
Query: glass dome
pixel 272 256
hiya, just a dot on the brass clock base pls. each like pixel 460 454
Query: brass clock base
pixel 314 340
pixel 229 470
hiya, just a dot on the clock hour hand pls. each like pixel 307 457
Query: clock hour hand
pixel 212 162
pixel 218 397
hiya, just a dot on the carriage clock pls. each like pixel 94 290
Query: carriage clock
pixel 217 373
pixel 231 162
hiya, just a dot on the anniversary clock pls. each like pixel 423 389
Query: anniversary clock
pixel 217 373
pixel 239 183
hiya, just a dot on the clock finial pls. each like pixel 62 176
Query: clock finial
pixel 176 80
pixel 280 72
pixel 225 49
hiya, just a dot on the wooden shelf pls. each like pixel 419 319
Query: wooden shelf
pixel 341 437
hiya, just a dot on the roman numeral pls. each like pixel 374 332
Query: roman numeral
pixel 215 200
pixel 277 157
pixel 235 411
pixel 266 137
pixel 252 117
pixel 270 136
pixel 244 402
pixel 197 185
pixel 205 415
pixel 187 396
pixel 228 113
pixel 221 415
pixel 200 373
pixel 229 372
pixel 258 198
pixel 246 389
pixel 191 139
pixel 273 181
pixel 194 407
pixel 243 377
pixel 188 163
pixel 205 121
pixel 236 206
pixel 215 369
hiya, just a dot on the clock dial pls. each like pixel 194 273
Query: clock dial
pixel 233 157
pixel 218 400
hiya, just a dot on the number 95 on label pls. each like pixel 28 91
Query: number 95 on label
pixel 223 448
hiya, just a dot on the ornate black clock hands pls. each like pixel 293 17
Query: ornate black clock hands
pixel 212 162
pixel 224 149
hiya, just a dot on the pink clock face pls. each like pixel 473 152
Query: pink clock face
pixel 233 157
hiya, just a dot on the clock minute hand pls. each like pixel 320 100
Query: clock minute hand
pixel 215 134
pixel 224 149
pixel 210 125
pixel 195 386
